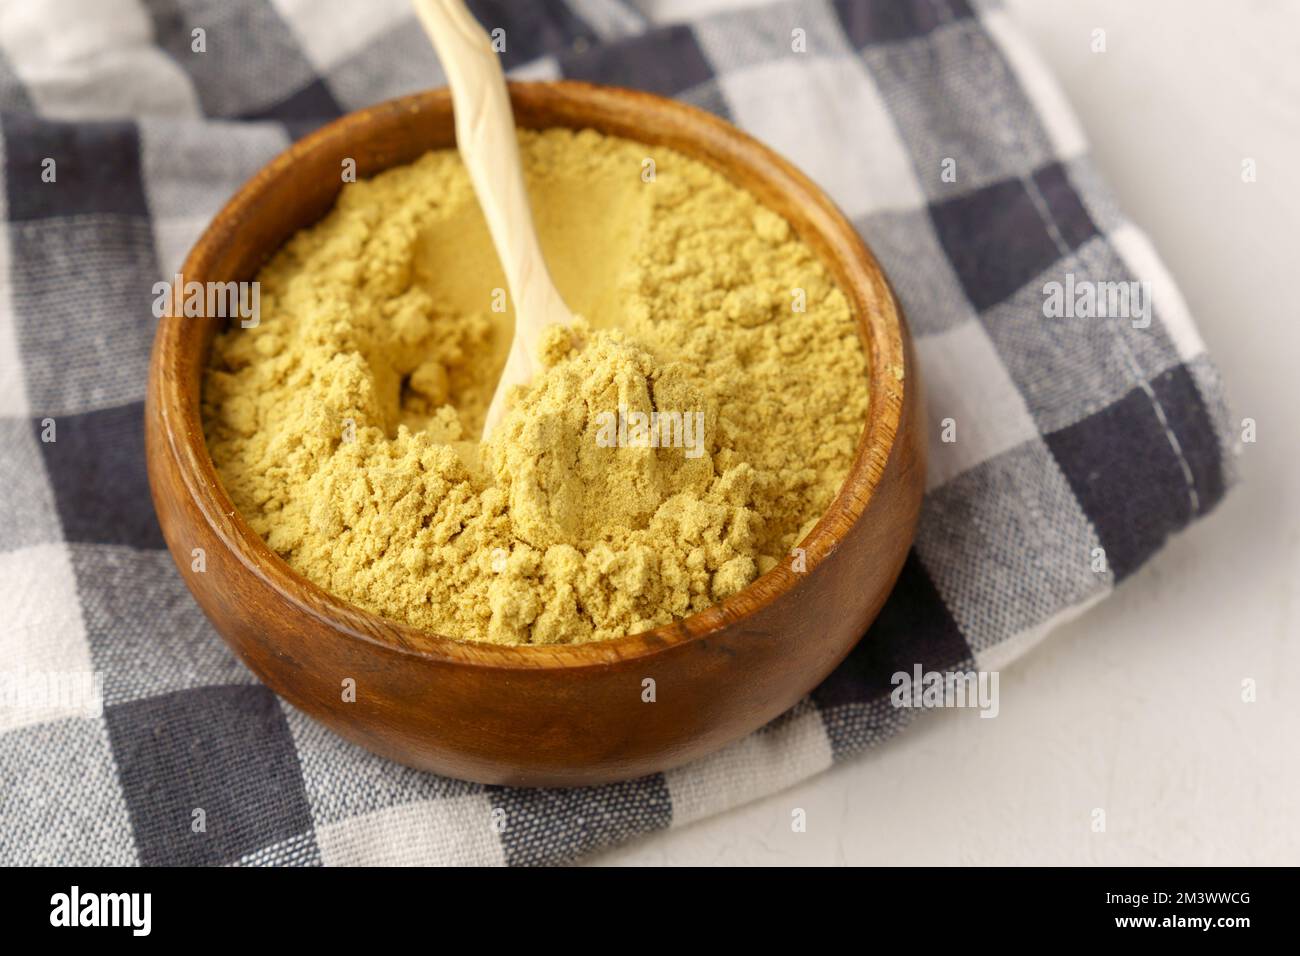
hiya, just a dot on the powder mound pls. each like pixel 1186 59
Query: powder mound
pixel 600 442
pixel 606 465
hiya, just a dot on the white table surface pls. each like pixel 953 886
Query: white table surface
pixel 1136 707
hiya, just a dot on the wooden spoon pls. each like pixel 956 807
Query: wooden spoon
pixel 485 136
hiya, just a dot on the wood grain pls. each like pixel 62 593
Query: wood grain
pixel 544 715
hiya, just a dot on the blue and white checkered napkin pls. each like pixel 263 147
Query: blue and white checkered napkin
pixel 1082 443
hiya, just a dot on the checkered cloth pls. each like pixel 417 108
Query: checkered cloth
pixel 1081 443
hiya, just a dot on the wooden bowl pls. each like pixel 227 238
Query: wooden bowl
pixel 556 715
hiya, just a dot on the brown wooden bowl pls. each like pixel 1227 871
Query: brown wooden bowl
pixel 553 715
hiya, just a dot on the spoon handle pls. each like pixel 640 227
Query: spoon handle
pixel 488 144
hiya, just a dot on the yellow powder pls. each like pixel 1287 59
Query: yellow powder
pixel 344 424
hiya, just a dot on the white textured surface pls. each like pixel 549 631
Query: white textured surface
pixel 1136 707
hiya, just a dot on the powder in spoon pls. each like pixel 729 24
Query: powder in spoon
pixel 678 442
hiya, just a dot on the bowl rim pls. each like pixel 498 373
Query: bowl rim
pixel 875 308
